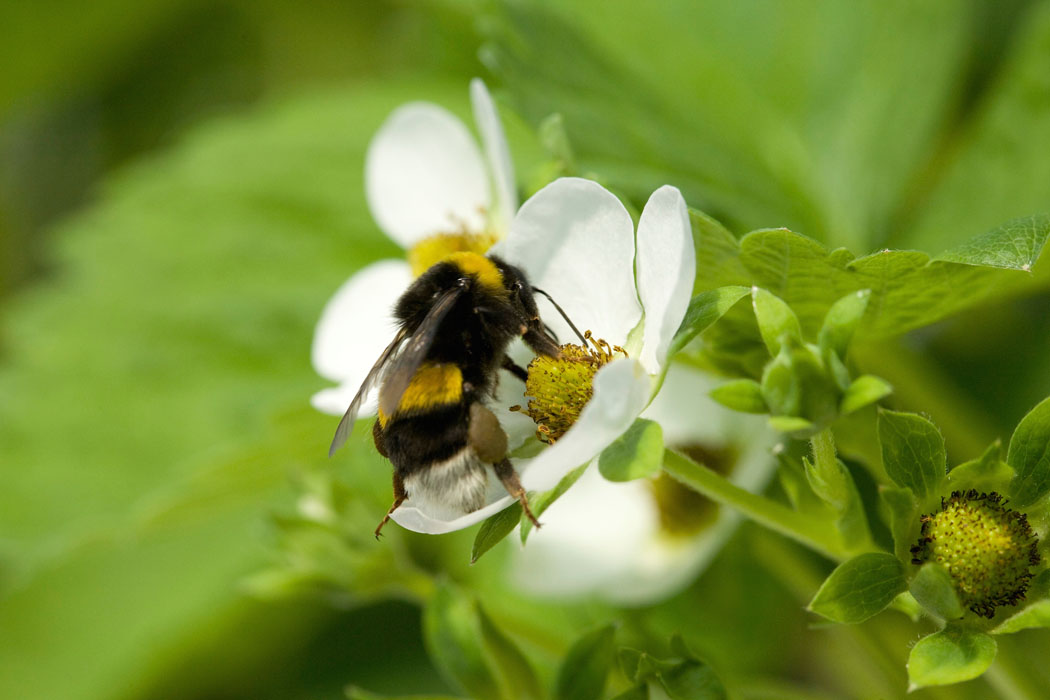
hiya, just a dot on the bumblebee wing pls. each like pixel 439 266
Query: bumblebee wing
pixel 346 425
pixel 406 364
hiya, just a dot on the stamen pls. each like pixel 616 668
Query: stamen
pixel 434 249
pixel 560 387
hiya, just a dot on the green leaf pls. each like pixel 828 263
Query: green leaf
pixel 912 452
pixel 1037 614
pixel 775 318
pixel 1029 455
pixel 815 143
pixel 494 529
pixel 639 692
pixel 744 395
pixel 583 672
pixel 933 587
pixel 903 516
pixel 860 588
pixel 950 656
pixel 842 320
pixel 636 454
pixel 516 676
pixel 704 309
pixel 986 473
pixel 538 503
pixel 908 289
pixel 1015 245
pixel 453 637
pixel 864 391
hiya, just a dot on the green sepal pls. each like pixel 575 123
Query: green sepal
pixel 950 656
pixel 902 515
pixel 1037 614
pixel 585 669
pixel 1029 455
pixel 494 529
pixel 860 588
pixel 907 604
pixel 538 503
pixel 636 454
pixel 934 589
pixel 837 370
pixel 837 488
pixel 776 320
pixel 986 473
pixel 864 391
pixel 744 395
pixel 912 452
pixel 797 383
pixel 796 427
pixel 842 320
pixel 704 309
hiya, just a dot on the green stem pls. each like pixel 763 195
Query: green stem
pixel 811 532
pixel 1003 684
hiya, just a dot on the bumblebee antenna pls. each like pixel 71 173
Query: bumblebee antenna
pixel 563 315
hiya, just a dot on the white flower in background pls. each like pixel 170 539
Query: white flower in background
pixel 433 192
pixel 575 240
pixel 640 541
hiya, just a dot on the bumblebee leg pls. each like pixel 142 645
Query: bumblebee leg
pixel 509 477
pixel 377 438
pixel 514 368
pixel 399 497
pixel 485 434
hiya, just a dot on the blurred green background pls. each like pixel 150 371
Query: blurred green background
pixel 181 191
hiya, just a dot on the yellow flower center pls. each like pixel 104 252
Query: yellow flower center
pixel 433 249
pixel 559 387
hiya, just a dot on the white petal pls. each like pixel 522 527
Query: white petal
pixel 666 271
pixel 504 199
pixel 417 520
pixel 591 535
pixel 335 401
pixel 621 391
pixel 424 175
pixel 688 415
pixel 355 326
pixel 575 240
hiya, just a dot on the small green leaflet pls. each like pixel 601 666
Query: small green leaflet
pixel 912 452
pixel 860 588
pixel 1029 455
pixel 636 454
pixel 950 656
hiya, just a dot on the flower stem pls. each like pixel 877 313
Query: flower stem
pixel 809 531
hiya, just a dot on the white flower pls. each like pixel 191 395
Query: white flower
pixel 610 539
pixel 424 176
pixel 576 241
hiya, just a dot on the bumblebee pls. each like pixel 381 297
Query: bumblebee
pixel 455 323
